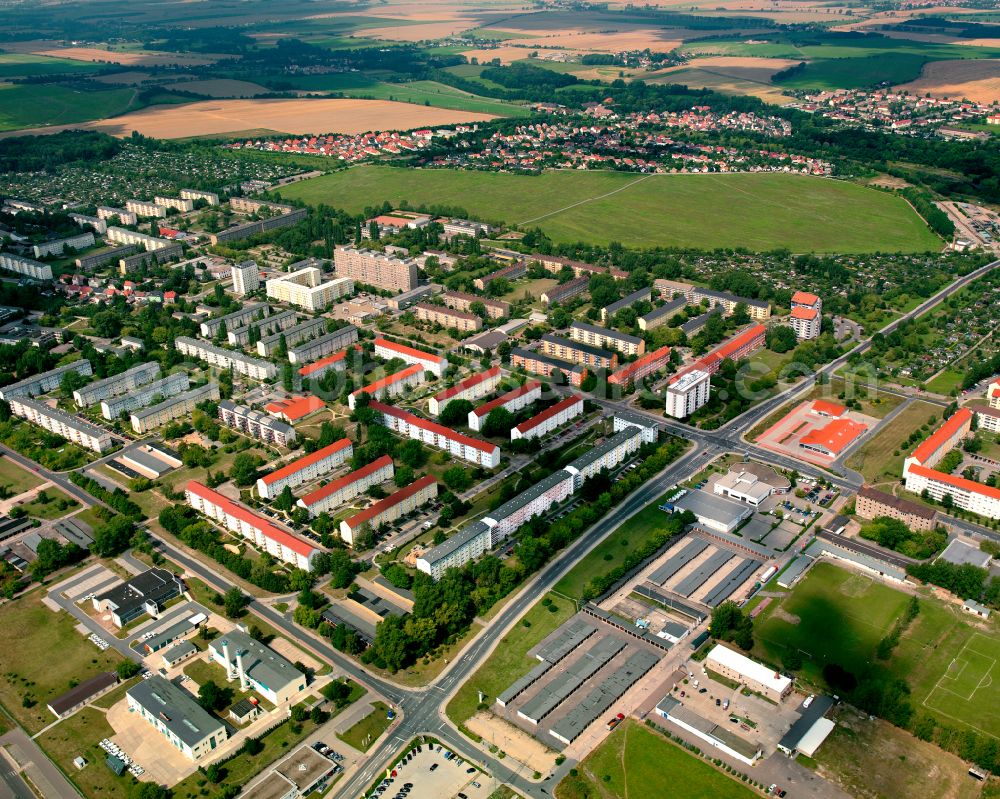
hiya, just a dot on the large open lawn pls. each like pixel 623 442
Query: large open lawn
pixel 876 458
pixel 78 736
pixel 636 762
pixel 28 105
pixel 363 734
pixel 15 480
pixel 759 211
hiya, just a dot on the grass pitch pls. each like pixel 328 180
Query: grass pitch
pixel 758 211
pixel 969 689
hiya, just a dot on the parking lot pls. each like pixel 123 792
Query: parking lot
pixel 434 773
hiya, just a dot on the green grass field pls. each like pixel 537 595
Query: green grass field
pixel 857 73
pixel 364 734
pixel 758 211
pixel 875 459
pixel 51 509
pixel 25 106
pixel 25 65
pixel 14 479
pixel 969 688
pixel 636 762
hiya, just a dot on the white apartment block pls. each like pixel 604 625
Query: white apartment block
pixel 251 205
pixel 293 335
pixel 196 194
pixel 256 424
pixel 965 494
pixel 268 326
pixel 308 289
pixel 46 381
pixel 805 322
pixel 993 395
pixel 447 317
pixel 387 350
pixel 606 456
pixel 124 217
pixel 120 235
pixel 145 419
pixel 253 368
pixel 512 401
pixel 344 489
pixel 606 338
pixel 387 510
pixel 324 345
pixel 463 547
pixel 118 384
pixel 391 386
pixel 306 469
pixel 463 447
pixel 548 420
pixel 648 427
pixel 537 500
pixel 688 393
pixel 247 314
pixel 62 424
pixel 471 388
pixel 375 268
pixel 246 278
pixel 179 203
pixel 25 266
pixel 166 387
pixel 145 208
pixel 98 224
pixel 58 246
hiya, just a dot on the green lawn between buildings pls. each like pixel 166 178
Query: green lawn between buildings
pixel 758 211
pixel 366 732
pixel 15 479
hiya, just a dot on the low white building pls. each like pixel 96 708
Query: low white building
pixel 755 676
pixel 257 667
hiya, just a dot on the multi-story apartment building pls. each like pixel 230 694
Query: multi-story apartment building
pixel 510 272
pixel 238 518
pixel 306 469
pixel 604 337
pixel 687 392
pixel 577 352
pixel 323 345
pixel 344 489
pixel 512 401
pixel 145 419
pixel 805 299
pixel 110 214
pixel 120 235
pixel 99 225
pixel 390 386
pixel 463 547
pixel 255 423
pixel 252 205
pixel 758 309
pixel 871 503
pixel 464 227
pixel 45 382
pixel 541 364
pixel 296 334
pixel 337 362
pixel 463 447
pixel 253 368
pixel 280 216
pixel 164 388
pixel 566 291
pixel 308 289
pixel 161 255
pixel 209 197
pixel 495 309
pixel 471 388
pixel 268 326
pixel 605 456
pixel 669 289
pixel 740 346
pixel 608 312
pixel 252 311
pixel 387 510
pixel 648 428
pixel 662 315
pixel 62 424
pixel 993 395
pixel 105 256
pixel 118 384
pixel 987 417
pixel 246 278
pixel 805 322
pixel 548 420
pixel 145 208
pixel 387 350
pixel 58 246
pixel 648 364
pixel 25 266
pixel 180 203
pixel 447 317
pixel 375 268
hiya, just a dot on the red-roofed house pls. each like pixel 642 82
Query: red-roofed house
pixel 317 369
pixel 294 408
pixel 387 510
pixel 805 322
pixel 646 365
pixel 833 438
pixel 549 419
pixel 428 360
pixel 309 467
pixel 471 388
pixel 391 386
pixel 344 489
pixel 948 436
pixel 240 519
pixel 512 401
pixel 473 450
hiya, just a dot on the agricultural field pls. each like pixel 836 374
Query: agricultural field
pixel 977 80
pixel 28 105
pixel 758 211
pixel 636 762
pixel 26 65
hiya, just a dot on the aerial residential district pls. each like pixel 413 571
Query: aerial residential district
pixel 486 402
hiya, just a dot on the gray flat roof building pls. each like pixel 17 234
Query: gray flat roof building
pixel 177 715
pixel 714 512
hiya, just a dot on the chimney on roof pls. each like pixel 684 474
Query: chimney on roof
pixel 244 684
pixel 229 666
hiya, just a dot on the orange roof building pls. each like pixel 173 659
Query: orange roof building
pixel 806 299
pixel 945 438
pixel 294 408
pixel 834 437
pixel 827 408
pixel 387 510
pixel 310 467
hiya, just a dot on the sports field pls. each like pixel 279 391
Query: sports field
pixel 757 211
pixel 969 689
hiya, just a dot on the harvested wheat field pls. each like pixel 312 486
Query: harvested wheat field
pixel 220 87
pixel 726 84
pixel 973 79
pixel 124 78
pixel 417 33
pixel 749 68
pixel 507 54
pixel 127 58
pixel 612 41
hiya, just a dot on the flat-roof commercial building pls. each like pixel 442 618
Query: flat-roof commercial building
pixel 495 309
pixel 608 312
pixel 566 291
pixel 323 345
pixel 62 424
pixel 471 388
pixel 687 393
pixel 344 489
pixel 178 653
pixel 239 519
pixel 431 362
pixel 110 214
pixel 146 208
pixel 25 266
pixel 251 312
pixel 751 483
pixel 755 676
pixel 209 197
pixel 466 448
pixel 387 510
pixel 255 423
pixel 548 420
pixel 144 593
pixel 448 317
pixel 305 469
pixel 809 730
pixel 512 401
pixel 226 359
pixel 870 503
pixel 246 278
pixel 662 314
pixel 716 736
pixel 257 667
pixel 145 419
pixel 612 452
pixel 390 386
pixel 45 382
pixel 546 365
pixel 121 383
pixel 712 512
pixel 290 336
pixel 607 338
pixel 758 309
pixel 377 269
pixel 805 322
pixel 650 363
pixel 177 716
pixel 307 288
pixel 165 387
pixel 80 695
pixel 400 302
pixel 576 352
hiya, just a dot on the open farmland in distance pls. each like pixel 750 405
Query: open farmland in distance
pixel 759 211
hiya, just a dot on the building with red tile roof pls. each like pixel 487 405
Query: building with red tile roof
pixel 467 448
pixel 391 386
pixel 471 388
pixel 319 368
pixel 642 367
pixel 512 401
pixel 549 419
pixel 834 437
pixel 826 408
pixel 344 489
pixel 309 467
pixel 428 360
pixel 295 408
pixel 948 436
pixel 806 299
pixel 387 510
